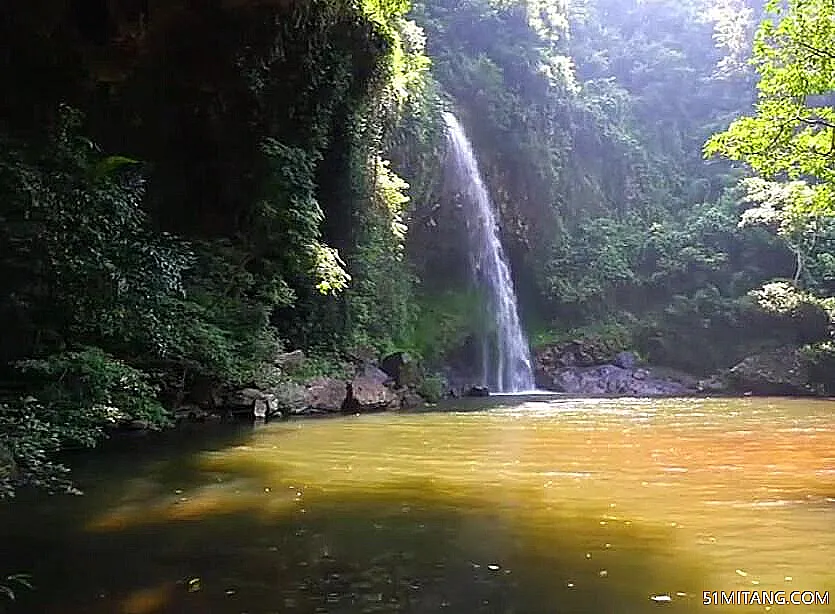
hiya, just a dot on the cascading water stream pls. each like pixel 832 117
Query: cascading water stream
pixel 511 369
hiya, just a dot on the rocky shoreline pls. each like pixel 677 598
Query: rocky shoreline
pixel 393 383
pixel 576 368
pixel 583 368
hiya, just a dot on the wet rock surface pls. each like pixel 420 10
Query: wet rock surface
pixel 576 367
pixel 611 379
pixel 478 391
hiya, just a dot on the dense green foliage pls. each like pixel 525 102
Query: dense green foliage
pixel 256 210
pixel 591 134
pixel 790 142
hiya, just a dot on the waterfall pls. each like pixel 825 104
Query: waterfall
pixel 507 368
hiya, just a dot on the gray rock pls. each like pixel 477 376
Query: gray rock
pixel 372 395
pixel 575 353
pixel 370 372
pixel 324 394
pixel 243 398
pixel 612 380
pixel 290 398
pixel 625 360
pixel 780 371
pixel 714 383
pixel 478 391
pixel 410 399
pixel 259 403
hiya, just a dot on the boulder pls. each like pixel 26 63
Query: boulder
pixel 290 397
pixel 370 372
pixel 613 380
pixel 588 368
pixel 403 367
pixel 776 372
pixel 243 398
pixel 364 393
pixel 372 395
pixel 259 403
pixel 323 394
pixel 260 409
pixel 478 391
pixel 713 384
pixel 625 360
pixel 410 399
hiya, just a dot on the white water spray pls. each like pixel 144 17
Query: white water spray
pixel 510 370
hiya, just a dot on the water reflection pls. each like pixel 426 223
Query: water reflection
pixel 561 506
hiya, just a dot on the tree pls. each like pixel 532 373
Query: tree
pixel 792 135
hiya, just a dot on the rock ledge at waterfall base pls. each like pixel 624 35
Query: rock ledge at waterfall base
pixel 588 369
pixel 581 368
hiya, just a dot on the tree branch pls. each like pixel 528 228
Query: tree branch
pixel 815 122
pixel 819 52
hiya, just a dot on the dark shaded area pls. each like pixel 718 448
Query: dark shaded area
pixel 411 549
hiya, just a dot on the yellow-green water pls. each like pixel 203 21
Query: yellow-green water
pixel 561 506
